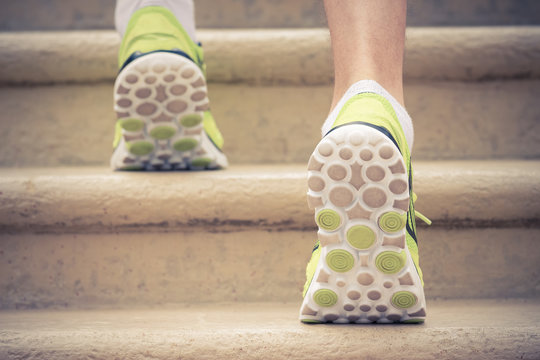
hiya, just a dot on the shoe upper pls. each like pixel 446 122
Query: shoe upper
pixel 155 29
pixel 376 111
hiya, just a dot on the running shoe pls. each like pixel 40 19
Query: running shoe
pixel 161 99
pixel 364 267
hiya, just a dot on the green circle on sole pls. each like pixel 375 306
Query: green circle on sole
pixel 404 299
pixel 132 167
pixel 414 321
pixel 185 144
pixel 340 260
pixel 310 321
pixel 325 297
pixel 140 148
pixel 360 237
pixel 131 124
pixel 390 262
pixel 391 222
pixel 162 132
pixel 328 219
pixel 201 162
pixel 191 120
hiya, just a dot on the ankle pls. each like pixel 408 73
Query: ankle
pixel 371 86
pixel 394 87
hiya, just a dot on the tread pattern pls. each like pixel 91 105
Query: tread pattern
pixel 358 188
pixel 160 99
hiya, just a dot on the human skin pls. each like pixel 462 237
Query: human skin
pixel 368 40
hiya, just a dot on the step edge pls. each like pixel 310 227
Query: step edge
pixel 477 194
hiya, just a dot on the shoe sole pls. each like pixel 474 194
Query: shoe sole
pixel 160 100
pixel 358 187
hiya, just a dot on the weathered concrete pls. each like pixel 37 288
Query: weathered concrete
pixel 457 330
pixel 295 57
pixel 489 193
pixel 149 269
pixel 73 125
pixel 81 14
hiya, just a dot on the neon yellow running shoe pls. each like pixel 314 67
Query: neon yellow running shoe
pixel 161 100
pixel 364 267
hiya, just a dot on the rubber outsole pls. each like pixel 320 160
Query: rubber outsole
pixel 160 99
pixel 358 187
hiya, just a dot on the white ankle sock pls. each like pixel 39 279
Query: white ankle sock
pixel 182 9
pixel 371 86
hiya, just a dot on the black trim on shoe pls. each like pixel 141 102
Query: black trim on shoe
pixel 212 141
pixel 138 54
pixel 410 227
pixel 376 127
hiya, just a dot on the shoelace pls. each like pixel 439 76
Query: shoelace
pixel 418 214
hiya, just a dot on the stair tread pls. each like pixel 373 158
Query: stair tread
pixel 460 329
pixel 278 56
pixel 462 193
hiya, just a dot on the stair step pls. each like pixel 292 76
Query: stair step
pixel 455 329
pixel 88 237
pixel 276 57
pixel 466 193
pixel 99 14
pixel 140 268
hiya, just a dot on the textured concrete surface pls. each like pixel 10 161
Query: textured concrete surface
pixel 98 14
pixel 73 125
pixel 297 57
pixel 454 330
pixel 126 269
pixel 475 193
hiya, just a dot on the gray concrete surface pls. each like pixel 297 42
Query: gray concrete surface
pixel 454 330
pixel 74 125
pixel 190 265
pixel 293 57
pixel 475 193
pixel 98 14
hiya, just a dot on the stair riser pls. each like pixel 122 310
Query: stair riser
pixel 122 270
pixel 73 125
pixel 57 14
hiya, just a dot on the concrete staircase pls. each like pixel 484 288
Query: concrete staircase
pixel 96 264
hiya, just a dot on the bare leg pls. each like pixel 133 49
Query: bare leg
pixel 368 39
pixel 353 172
